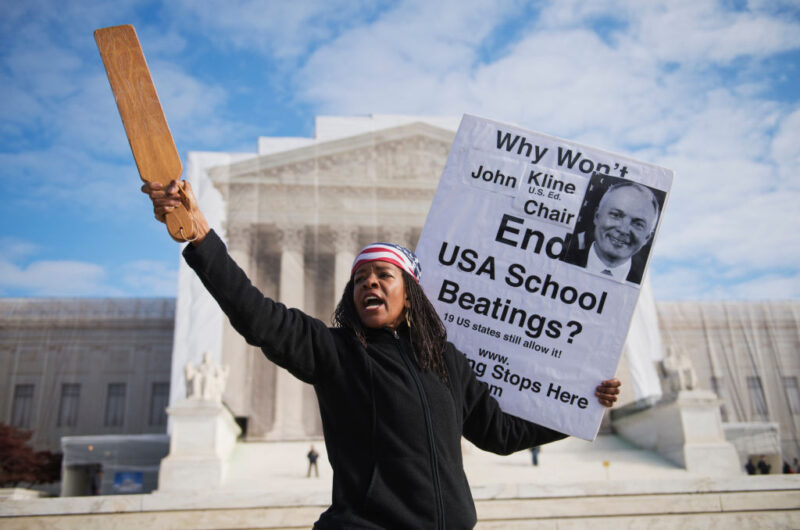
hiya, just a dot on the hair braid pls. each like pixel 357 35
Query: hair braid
pixel 428 334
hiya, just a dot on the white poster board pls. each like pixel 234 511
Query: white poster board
pixel 519 228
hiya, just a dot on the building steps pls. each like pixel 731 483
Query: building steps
pixel 745 502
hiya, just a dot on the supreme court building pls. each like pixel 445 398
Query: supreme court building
pixel 294 214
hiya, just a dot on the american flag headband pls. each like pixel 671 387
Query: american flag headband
pixel 390 253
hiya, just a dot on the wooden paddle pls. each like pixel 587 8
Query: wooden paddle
pixel 148 133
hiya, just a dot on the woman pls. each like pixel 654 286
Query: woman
pixel 395 397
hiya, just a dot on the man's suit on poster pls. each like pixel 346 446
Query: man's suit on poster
pixel 578 250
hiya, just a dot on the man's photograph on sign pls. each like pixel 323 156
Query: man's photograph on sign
pixel 614 233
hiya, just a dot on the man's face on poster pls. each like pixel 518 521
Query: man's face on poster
pixel 623 224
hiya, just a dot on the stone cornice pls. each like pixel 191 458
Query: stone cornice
pixel 86 324
pixel 321 157
pixel 298 191
pixel 81 309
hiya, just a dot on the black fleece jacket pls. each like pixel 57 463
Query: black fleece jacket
pixel 392 431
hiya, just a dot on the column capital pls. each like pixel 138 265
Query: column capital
pixel 399 235
pixel 240 237
pixel 291 238
pixel 344 238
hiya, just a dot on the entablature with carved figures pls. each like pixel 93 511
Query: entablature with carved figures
pixel 413 153
pixel 328 239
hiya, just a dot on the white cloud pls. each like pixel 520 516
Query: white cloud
pixel 415 59
pixel 281 28
pixel 13 249
pixel 560 75
pixel 150 278
pixel 680 283
pixel 21 112
pixel 709 33
pixel 54 278
pixel 66 146
pixel 702 282
pixel 79 278
pixel 728 126
pixel 731 206
pixel 767 287
pixel 20 272
pixel 683 31
pixel 785 149
pixel 195 110
pixel 48 70
pixel 744 224
pixel 61 179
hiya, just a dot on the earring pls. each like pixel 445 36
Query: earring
pixel 408 317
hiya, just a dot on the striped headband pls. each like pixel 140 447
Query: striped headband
pixel 390 253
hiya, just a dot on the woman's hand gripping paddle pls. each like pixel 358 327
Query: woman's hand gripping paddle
pixel 148 133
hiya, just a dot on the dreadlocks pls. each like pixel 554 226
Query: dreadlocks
pixel 428 334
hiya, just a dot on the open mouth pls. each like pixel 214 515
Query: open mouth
pixel 372 301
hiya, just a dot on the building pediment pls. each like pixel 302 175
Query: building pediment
pixel 410 155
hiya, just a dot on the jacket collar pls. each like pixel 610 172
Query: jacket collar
pixel 386 334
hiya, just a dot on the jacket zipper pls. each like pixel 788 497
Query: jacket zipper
pixel 429 429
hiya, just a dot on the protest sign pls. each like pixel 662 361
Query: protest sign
pixel 533 253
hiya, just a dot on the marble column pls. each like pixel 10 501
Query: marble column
pixel 235 352
pixel 288 423
pixel 240 246
pixel 345 246
pixel 398 235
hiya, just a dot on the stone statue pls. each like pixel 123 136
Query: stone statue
pixel 206 381
pixel 677 370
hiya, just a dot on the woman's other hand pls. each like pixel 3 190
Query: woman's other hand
pixel 607 392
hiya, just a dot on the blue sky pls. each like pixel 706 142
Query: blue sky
pixel 710 89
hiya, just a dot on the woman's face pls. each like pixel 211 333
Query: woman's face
pixel 379 294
